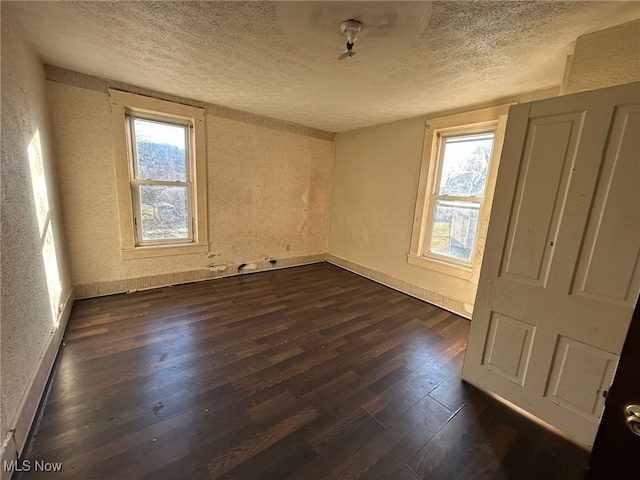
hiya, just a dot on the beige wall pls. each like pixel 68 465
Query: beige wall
pixel 375 184
pixel 376 173
pixel 35 278
pixel 606 58
pixel 268 195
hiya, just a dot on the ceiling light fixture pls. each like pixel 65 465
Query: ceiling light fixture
pixel 350 29
pixel 383 29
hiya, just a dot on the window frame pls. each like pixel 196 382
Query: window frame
pixel 490 120
pixel 125 107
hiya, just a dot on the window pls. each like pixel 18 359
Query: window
pixel 161 188
pixel 456 187
pixel 463 162
pixel 160 169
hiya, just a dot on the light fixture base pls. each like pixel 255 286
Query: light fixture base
pixel 351 28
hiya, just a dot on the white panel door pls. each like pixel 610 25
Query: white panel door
pixel 560 275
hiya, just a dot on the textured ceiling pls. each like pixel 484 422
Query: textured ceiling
pixel 234 54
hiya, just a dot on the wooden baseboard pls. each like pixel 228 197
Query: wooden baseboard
pixel 100 289
pixel 442 301
pixel 15 440
pixel 9 454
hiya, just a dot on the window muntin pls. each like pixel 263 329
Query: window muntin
pixel 161 166
pixel 459 188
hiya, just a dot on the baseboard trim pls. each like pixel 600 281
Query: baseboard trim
pixel 442 301
pixel 100 289
pixel 15 440
pixel 9 454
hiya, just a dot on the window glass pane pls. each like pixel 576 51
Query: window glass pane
pixel 454 229
pixel 164 212
pixel 465 163
pixel 161 150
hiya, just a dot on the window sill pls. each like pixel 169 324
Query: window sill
pixel 452 269
pixel 163 250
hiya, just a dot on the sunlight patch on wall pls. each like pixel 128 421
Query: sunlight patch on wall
pixel 41 204
pixel 38 181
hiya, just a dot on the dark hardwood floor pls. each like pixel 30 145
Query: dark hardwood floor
pixel 304 373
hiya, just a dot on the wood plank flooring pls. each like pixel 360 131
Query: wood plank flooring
pixel 304 373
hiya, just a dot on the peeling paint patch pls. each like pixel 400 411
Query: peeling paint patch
pixel 250 266
pixel 303 226
pixel 305 209
pixel 217 268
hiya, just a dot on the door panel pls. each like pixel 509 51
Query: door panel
pixel 509 347
pixel 579 373
pixel 549 155
pixel 615 211
pixel 560 271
